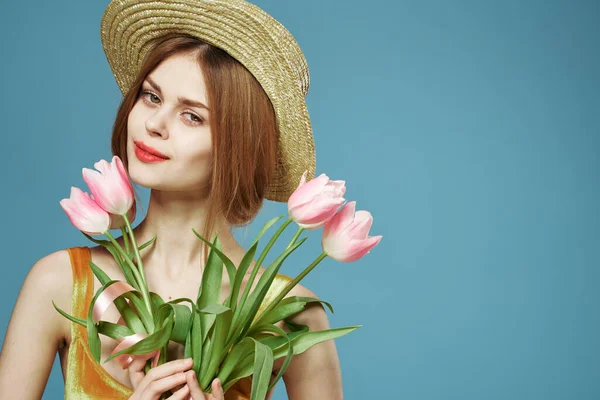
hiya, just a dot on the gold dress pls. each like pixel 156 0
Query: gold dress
pixel 87 379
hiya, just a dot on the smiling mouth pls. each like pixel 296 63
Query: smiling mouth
pixel 147 157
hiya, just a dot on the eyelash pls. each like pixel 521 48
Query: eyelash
pixel 145 92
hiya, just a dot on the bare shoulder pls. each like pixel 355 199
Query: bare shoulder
pixel 51 279
pixel 35 330
pixel 314 314
pixel 317 369
pixel 52 269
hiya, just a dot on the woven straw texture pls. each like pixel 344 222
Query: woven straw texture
pixel 247 33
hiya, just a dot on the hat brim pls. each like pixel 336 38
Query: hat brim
pixel 244 31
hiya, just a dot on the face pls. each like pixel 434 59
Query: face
pixel 171 117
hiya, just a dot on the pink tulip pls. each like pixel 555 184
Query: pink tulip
pixel 110 187
pixel 316 201
pixel 117 221
pixel 345 236
pixel 85 213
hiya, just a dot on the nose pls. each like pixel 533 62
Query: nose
pixel 156 125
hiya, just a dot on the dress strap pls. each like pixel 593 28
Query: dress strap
pixel 82 285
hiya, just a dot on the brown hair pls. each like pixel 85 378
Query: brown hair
pixel 243 129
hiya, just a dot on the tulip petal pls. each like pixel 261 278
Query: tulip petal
pixel 84 213
pixel 358 248
pixel 341 220
pixel 303 178
pixel 103 166
pixel 110 187
pixel 320 210
pixel 306 192
pixel 361 225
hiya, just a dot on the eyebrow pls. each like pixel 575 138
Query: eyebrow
pixel 181 100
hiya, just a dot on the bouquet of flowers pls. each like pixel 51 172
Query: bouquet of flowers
pixel 229 340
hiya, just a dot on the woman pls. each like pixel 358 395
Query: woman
pixel 213 121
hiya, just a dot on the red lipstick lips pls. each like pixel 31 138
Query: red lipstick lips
pixel 148 154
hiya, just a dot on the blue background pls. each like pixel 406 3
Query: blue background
pixel 469 129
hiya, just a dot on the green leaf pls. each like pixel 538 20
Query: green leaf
pixel 206 355
pixel 212 348
pixel 275 341
pixel 257 265
pixel 290 353
pixel 124 267
pixel 239 351
pixel 263 366
pixel 264 229
pixel 293 327
pixel 124 235
pixel 148 243
pixel 241 273
pixel 286 308
pixel 97 241
pixel 231 270
pixel 181 300
pixel 182 323
pixel 79 321
pixel 137 302
pixel 92 328
pixel 114 331
pixel 306 340
pixel 261 336
pixel 187 350
pixel 211 287
pixel 215 309
pixel 155 340
pixel 196 341
pixel 129 316
pixel 131 253
pixel 300 342
pixel 156 300
pixel 218 350
pixel 264 283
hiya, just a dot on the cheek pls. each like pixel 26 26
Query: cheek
pixel 198 154
pixel 135 118
pixel 195 159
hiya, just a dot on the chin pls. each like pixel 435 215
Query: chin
pixel 143 174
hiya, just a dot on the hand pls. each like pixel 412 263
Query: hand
pixel 196 390
pixel 159 380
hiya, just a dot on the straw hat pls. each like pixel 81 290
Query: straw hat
pixel 247 33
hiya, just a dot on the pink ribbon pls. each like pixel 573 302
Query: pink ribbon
pixel 125 359
pixel 106 298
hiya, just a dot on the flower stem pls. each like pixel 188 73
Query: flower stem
pixel 295 237
pixel 125 239
pixel 138 272
pixel 293 283
pixel 260 260
pixel 136 250
pixel 242 300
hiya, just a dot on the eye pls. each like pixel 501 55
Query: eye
pixel 152 95
pixel 195 120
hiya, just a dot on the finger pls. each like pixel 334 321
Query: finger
pixel 158 387
pixel 181 394
pixel 217 390
pixel 195 389
pixel 180 386
pixel 136 371
pixel 170 368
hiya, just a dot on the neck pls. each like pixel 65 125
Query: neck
pixel 177 250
